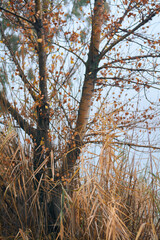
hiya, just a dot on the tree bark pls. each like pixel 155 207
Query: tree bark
pixel 88 86
pixel 42 142
pixel 15 114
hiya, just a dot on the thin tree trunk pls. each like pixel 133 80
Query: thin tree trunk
pixel 42 140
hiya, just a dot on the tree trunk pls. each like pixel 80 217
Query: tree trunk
pixel 88 86
pixel 42 143
pixel 51 206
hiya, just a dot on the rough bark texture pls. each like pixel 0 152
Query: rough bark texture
pixel 42 139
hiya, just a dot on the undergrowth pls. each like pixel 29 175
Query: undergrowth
pixel 111 199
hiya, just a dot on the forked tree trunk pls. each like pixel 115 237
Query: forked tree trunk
pixel 88 86
pixel 86 99
pixel 41 133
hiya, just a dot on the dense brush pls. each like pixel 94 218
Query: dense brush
pixel 111 200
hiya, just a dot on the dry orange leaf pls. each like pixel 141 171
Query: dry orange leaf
pixel 39 40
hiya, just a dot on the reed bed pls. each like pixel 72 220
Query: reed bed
pixel 111 199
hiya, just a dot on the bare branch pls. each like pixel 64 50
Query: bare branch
pixel 136 145
pixel 16 15
pixel 143 22
pixel 29 86
pixel 70 52
pixel 129 69
pixel 15 114
pixel 65 114
pixel 116 25
pixel 128 80
pixel 123 143
pixel 138 57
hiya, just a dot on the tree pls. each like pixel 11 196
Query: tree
pixel 49 56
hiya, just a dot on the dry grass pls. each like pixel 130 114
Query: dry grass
pixel 111 201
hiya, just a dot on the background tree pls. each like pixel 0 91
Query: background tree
pixel 62 65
